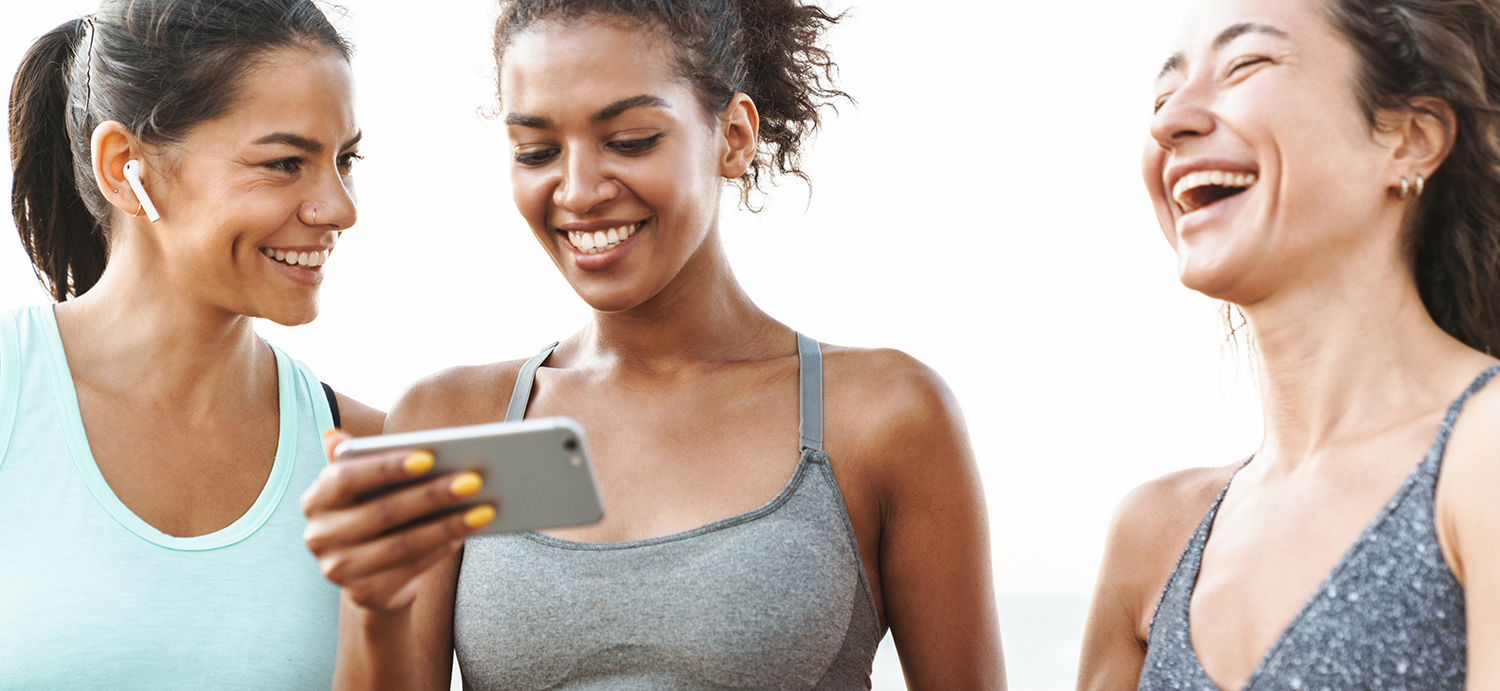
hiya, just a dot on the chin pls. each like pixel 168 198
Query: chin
pixel 292 317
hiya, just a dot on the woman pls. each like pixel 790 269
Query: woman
pixel 1329 167
pixel 725 558
pixel 180 167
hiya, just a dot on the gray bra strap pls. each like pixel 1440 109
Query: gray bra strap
pixel 810 386
pixel 521 395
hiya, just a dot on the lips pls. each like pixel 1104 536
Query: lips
pixel 1201 188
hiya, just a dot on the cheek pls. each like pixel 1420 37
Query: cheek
pixel 1153 164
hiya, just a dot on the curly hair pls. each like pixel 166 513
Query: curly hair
pixel 770 50
pixel 1447 49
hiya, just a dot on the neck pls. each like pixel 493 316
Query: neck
pixel 702 316
pixel 1349 355
pixel 134 331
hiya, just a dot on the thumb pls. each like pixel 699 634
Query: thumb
pixel 331 439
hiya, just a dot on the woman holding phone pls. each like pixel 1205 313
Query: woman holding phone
pixel 773 504
pixel 1331 168
pixel 180 166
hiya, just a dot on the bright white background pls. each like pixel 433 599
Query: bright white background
pixel 981 208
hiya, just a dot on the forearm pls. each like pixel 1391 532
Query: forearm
pixel 376 650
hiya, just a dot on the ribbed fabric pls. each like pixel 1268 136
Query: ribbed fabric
pixel 92 597
pixel 775 598
pixel 1389 616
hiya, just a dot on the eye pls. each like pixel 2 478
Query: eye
pixel 1244 61
pixel 536 158
pixel 1161 101
pixel 346 161
pixel 288 166
pixel 635 146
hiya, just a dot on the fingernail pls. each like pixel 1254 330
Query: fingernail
pixel 466 484
pixel 479 516
pixel 330 431
pixel 418 462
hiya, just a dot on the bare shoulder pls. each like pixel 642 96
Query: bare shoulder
pixel 887 398
pixel 1151 526
pixel 465 395
pixel 357 418
pixel 1466 513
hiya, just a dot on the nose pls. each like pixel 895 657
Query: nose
pixel 332 206
pixel 1184 116
pixel 584 184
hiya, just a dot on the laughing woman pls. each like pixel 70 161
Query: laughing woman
pixel 774 504
pixel 181 166
pixel 1330 167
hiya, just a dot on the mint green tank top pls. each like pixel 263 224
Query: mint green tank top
pixel 93 597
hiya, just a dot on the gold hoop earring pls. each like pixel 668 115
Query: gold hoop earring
pixel 1421 182
pixel 1405 188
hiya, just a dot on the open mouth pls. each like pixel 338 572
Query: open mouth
pixel 305 260
pixel 602 240
pixel 1199 189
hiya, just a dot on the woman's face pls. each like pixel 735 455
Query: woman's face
pixel 1261 165
pixel 252 202
pixel 614 164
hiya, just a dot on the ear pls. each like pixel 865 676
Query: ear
pixel 113 145
pixel 1419 138
pixel 739 123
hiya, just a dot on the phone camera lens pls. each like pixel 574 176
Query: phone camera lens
pixel 570 444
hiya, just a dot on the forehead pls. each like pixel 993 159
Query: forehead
pixel 583 64
pixel 1208 21
pixel 304 91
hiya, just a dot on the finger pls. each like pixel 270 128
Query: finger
pixel 339 484
pixel 331 439
pixel 365 520
pixel 404 548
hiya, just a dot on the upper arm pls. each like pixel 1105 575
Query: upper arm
pixel 1468 521
pixel 910 446
pixel 358 419
pixel 1149 529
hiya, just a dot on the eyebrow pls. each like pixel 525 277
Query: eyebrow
pixel 1234 31
pixel 608 112
pixel 311 146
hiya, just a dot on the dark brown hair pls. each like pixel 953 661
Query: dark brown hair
pixel 1447 49
pixel 770 50
pixel 158 67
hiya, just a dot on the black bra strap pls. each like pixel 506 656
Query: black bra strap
pixel 521 395
pixel 333 405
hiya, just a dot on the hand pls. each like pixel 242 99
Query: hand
pixel 367 547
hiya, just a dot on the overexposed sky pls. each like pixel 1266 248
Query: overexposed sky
pixel 981 208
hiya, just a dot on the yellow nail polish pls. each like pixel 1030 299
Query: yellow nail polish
pixel 466 484
pixel 479 516
pixel 418 462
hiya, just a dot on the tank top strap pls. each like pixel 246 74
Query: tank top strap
pixel 521 395
pixel 1445 430
pixel 810 392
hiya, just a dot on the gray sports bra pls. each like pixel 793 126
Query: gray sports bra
pixel 1389 615
pixel 775 598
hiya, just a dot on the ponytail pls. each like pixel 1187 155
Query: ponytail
pixel 66 245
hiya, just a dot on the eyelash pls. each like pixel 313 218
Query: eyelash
pixel 627 147
pixel 1229 71
pixel 346 162
pixel 292 166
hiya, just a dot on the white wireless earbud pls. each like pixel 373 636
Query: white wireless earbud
pixel 133 176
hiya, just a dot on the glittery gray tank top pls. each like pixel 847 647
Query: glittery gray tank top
pixel 775 598
pixel 1390 615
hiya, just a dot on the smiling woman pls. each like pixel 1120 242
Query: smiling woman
pixel 180 167
pixel 1331 167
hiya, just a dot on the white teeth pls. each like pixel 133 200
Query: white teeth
pixel 600 240
pixel 1221 178
pixel 295 258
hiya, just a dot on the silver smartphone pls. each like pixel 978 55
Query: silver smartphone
pixel 536 472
